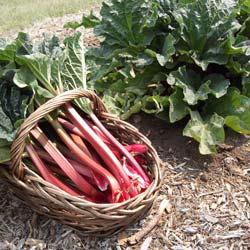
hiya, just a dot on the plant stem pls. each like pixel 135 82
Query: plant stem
pixel 86 160
pixel 45 173
pixel 64 164
pixel 119 146
pixel 102 149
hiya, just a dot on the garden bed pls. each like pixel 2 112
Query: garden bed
pixel 208 197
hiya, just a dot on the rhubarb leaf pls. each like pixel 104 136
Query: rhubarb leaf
pixel 88 21
pixel 9 49
pixel 178 109
pixel 14 102
pixel 124 25
pixel 235 108
pixel 208 132
pixel 195 88
pixel 204 26
pixel 74 72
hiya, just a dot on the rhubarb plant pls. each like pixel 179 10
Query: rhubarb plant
pixel 179 60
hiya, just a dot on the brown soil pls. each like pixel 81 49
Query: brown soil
pixel 208 202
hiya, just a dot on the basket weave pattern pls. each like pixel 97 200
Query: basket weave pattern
pixel 45 198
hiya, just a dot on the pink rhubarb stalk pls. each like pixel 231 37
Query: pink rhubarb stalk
pixel 45 173
pixel 123 150
pixel 64 164
pixel 87 161
pixel 102 149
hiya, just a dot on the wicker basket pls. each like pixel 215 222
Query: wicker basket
pixel 45 198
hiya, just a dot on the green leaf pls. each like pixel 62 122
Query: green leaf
pixel 74 72
pixel 178 109
pixel 24 78
pixel 238 45
pixel 72 25
pixel 239 64
pixel 195 88
pixel 245 86
pixel 124 23
pixel 111 104
pixel 7 129
pixel 235 108
pixel 167 51
pixel 14 104
pixel 208 132
pixel 140 83
pixel 9 49
pixel 218 84
pixel 50 46
pixel 4 151
pixel 41 67
pixel 154 104
pixel 88 21
pixel 129 105
pixel 204 26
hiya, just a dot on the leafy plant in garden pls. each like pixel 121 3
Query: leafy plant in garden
pixel 176 59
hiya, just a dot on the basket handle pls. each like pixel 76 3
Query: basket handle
pixel 18 145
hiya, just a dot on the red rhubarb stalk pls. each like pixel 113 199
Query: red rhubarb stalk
pixel 64 164
pixel 78 140
pixel 99 180
pixel 124 151
pixel 86 160
pixel 102 149
pixel 45 173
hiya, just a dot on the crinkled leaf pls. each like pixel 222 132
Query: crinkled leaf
pixel 140 83
pixel 178 109
pixel 74 72
pixel 124 23
pixel 218 84
pixel 208 132
pixel 129 105
pixel 235 108
pixel 246 86
pixel 191 83
pixel 9 49
pixel 239 64
pixel 7 129
pixel 167 51
pixel 195 88
pixel 205 25
pixel 238 45
pixel 14 104
pixel 50 46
